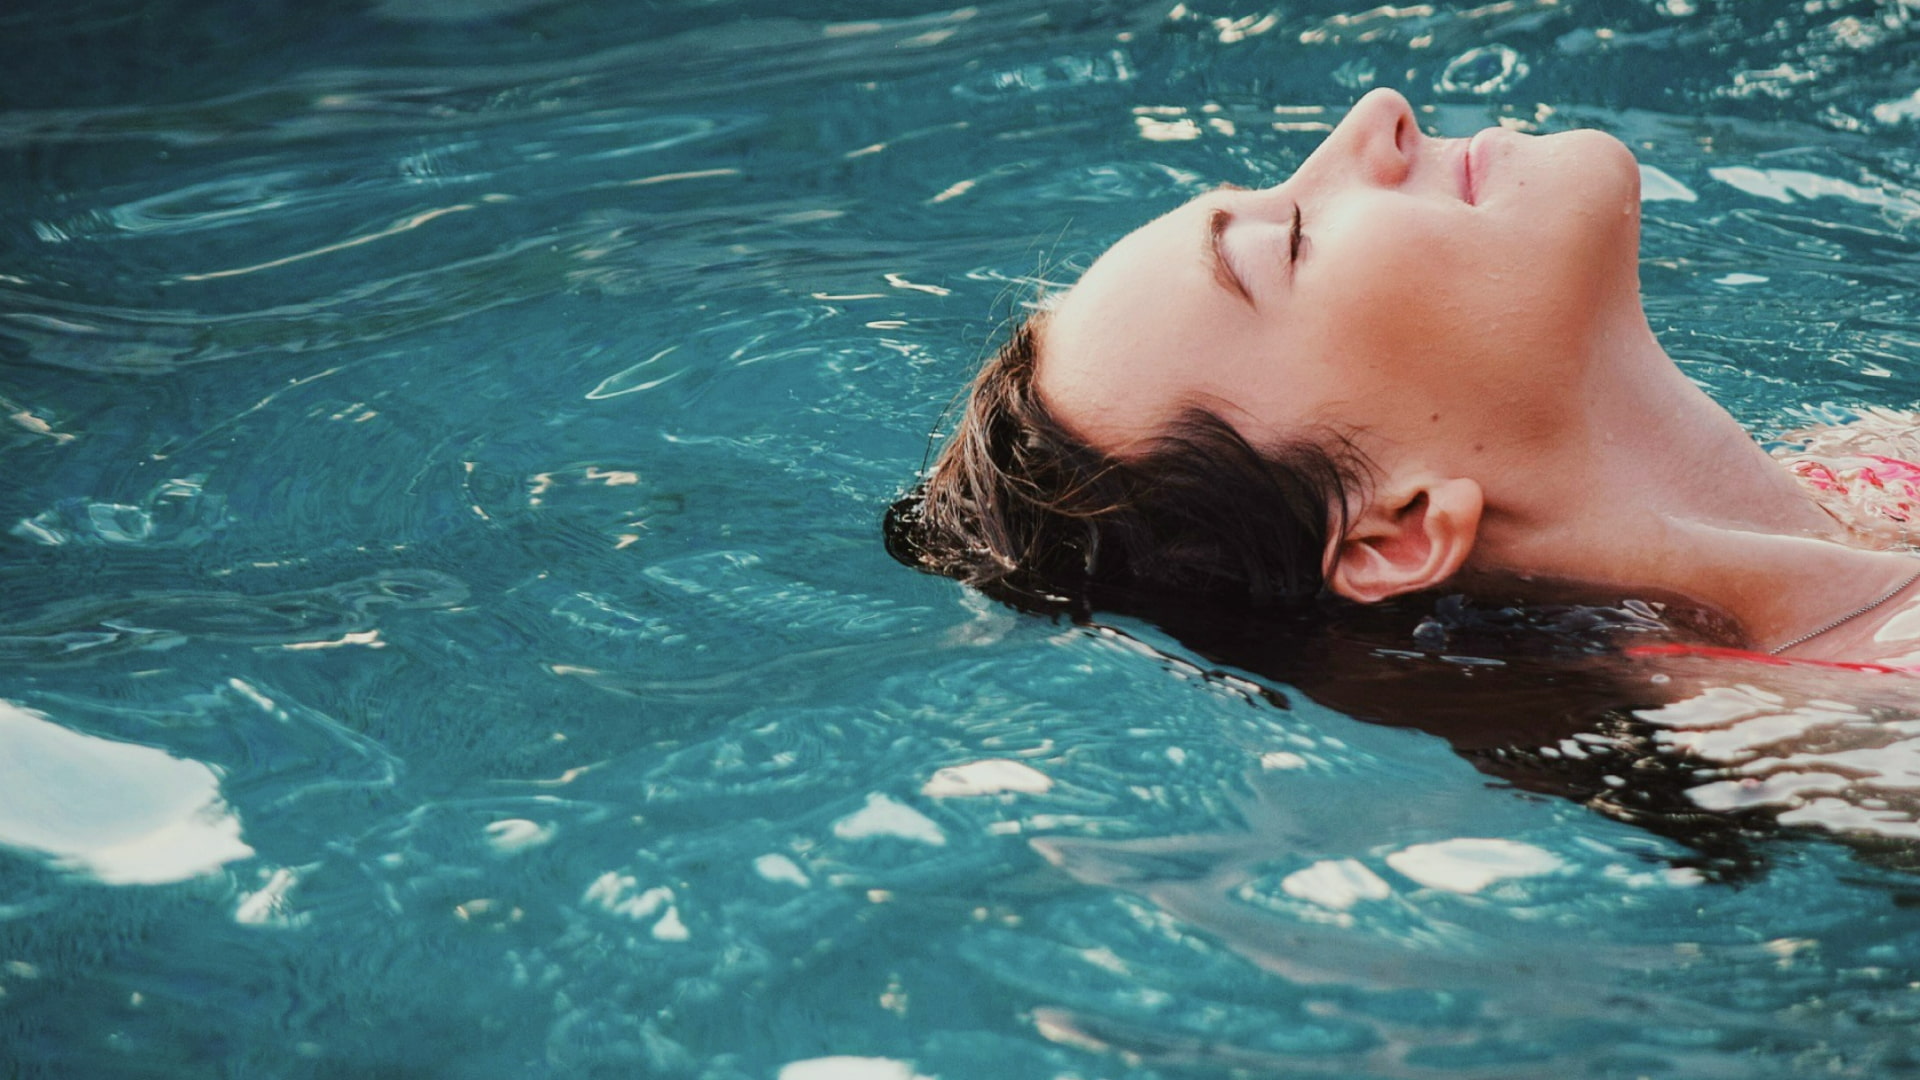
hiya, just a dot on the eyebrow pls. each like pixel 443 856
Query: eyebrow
pixel 1217 222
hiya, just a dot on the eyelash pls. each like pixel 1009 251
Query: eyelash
pixel 1294 238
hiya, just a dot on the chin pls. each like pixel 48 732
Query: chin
pixel 1585 182
pixel 1613 155
pixel 1595 181
pixel 1599 163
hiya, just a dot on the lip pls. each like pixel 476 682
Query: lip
pixel 1468 182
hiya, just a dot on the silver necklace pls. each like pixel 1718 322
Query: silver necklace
pixel 1849 616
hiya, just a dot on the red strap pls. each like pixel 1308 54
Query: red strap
pixel 1715 652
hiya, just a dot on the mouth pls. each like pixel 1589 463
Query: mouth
pixel 1468 182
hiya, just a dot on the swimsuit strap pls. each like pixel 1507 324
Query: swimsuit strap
pixel 1717 652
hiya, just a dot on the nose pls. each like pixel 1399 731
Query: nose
pixel 1375 142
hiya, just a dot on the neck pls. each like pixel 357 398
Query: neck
pixel 1655 489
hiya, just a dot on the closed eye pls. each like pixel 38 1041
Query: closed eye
pixel 1294 238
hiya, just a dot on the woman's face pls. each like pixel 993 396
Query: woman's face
pixel 1416 290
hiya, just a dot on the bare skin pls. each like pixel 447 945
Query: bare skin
pixel 1468 312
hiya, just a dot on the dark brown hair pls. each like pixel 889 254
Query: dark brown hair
pixel 1021 507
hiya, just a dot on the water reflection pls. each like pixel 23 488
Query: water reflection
pixel 1713 752
pixel 1458 902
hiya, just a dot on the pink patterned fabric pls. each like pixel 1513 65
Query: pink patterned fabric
pixel 1885 485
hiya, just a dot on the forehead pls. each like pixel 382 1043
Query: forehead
pixel 1127 346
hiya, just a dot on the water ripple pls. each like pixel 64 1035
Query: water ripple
pixel 90 629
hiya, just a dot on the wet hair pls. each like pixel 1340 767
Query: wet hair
pixel 1021 507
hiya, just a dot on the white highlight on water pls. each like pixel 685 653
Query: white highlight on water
pixel 629 381
pixel 1470 864
pixel 514 835
pixel 1659 186
pixel 267 905
pixel 846 1067
pixel 775 867
pixel 991 776
pixel 120 813
pixel 883 816
pixel 1785 185
pixel 617 894
pixel 1336 883
pixel 1899 110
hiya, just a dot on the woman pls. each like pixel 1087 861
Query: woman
pixel 1419 363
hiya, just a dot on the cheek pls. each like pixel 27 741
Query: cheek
pixel 1439 326
pixel 1407 292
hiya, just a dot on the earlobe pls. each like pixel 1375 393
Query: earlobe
pixel 1414 538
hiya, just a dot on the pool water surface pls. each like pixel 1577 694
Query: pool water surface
pixel 444 629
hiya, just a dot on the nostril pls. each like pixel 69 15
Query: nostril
pixel 1402 132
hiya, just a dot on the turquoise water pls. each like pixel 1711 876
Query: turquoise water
pixel 445 631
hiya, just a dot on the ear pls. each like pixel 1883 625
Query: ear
pixel 1410 538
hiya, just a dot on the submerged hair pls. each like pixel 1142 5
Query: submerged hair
pixel 1021 507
